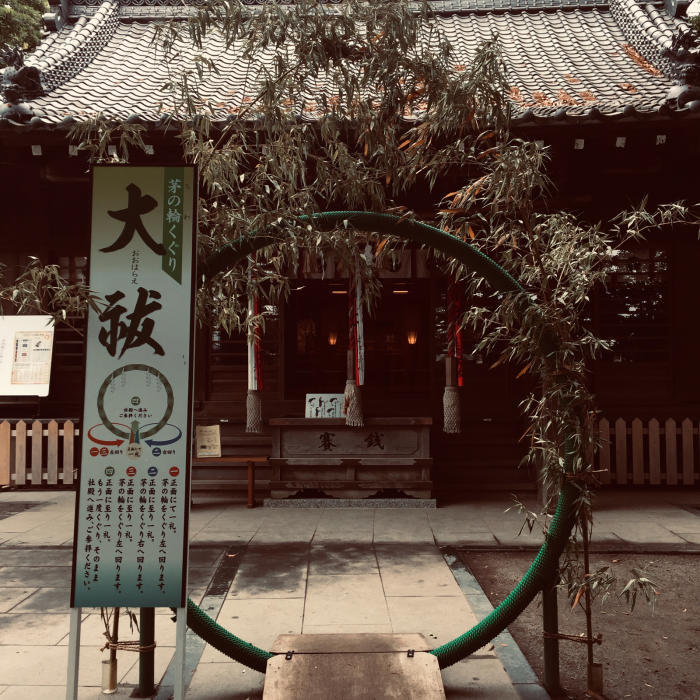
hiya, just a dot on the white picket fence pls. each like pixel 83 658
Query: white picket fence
pixel 634 453
pixel 41 453
pixel 649 454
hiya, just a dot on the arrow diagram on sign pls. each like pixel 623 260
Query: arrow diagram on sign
pixel 104 442
pixel 160 443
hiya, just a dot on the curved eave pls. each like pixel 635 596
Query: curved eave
pixel 566 66
pixel 561 117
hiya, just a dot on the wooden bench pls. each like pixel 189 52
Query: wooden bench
pixel 251 461
pixel 238 449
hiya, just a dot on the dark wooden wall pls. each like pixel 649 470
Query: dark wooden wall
pixel 44 202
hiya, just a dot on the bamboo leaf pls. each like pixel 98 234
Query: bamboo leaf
pixel 522 371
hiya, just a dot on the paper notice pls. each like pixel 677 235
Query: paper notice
pixel 208 441
pixel 325 406
pixel 31 363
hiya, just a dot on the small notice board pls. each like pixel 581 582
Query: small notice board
pixel 208 440
pixel 325 406
pixel 26 348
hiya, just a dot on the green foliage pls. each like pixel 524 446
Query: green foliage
pixel 640 584
pixel 392 111
pixel 40 289
pixel 95 134
pixel 20 23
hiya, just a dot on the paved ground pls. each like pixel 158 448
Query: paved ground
pixel 294 571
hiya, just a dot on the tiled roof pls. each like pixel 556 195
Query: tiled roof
pixel 169 7
pixel 566 62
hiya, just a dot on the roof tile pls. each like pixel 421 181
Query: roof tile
pixel 561 62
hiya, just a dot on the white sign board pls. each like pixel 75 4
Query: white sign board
pixel 131 514
pixel 208 440
pixel 325 406
pixel 26 347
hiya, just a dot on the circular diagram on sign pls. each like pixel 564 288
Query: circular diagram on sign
pixel 136 395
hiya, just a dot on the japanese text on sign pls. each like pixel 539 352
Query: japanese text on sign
pixel 131 546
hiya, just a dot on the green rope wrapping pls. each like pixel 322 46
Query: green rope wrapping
pixel 556 538
pixel 231 645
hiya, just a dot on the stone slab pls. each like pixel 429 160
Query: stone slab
pixel 350 503
pixel 345 599
pixel 46 600
pixel 275 571
pixel 46 666
pixel 335 559
pixel 30 628
pixel 482 678
pixel 225 537
pixel 354 676
pixel 331 537
pixel 36 556
pixel 691 537
pixel 37 576
pixel 440 619
pixel 416 574
pixel 347 629
pixel 258 621
pixel 348 643
pixel 464 537
pixel 645 532
pixel 214 681
pixel 10 598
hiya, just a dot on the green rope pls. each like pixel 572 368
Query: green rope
pixel 231 645
pixel 547 558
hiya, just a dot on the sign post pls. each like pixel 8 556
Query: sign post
pixel 130 545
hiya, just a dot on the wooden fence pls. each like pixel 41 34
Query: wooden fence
pixel 650 453
pixel 41 453
pixel 632 453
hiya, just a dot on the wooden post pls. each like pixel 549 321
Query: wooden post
pixel 147 633
pixel 604 453
pixel 620 452
pixel 52 453
pixel 20 453
pixel 687 451
pixel 637 452
pixel 251 485
pixel 5 438
pixel 654 453
pixel 68 451
pixel 550 626
pixel 671 452
pixel 37 452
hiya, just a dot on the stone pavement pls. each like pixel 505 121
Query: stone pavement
pixel 296 571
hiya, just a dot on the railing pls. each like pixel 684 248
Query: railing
pixel 41 453
pixel 632 453
pixel 651 454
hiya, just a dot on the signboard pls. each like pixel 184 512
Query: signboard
pixel 325 406
pixel 208 439
pixel 130 545
pixel 26 346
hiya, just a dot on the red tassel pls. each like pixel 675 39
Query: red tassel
pixel 454 331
